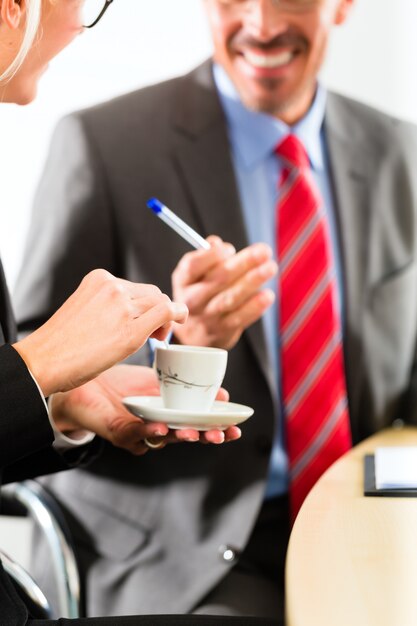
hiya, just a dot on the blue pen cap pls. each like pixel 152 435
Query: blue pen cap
pixel 155 205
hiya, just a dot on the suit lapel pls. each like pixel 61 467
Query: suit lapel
pixel 351 172
pixel 202 156
pixel 2 337
pixel 7 322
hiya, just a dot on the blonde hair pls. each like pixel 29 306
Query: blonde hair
pixel 33 15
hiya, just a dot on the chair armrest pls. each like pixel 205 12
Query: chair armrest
pixel 45 512
pixel 27 588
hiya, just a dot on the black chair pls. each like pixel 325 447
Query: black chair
pixel 28 590
pixel 30 498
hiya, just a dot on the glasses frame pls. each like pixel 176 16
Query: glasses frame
pixel 289 5
pixel 106 5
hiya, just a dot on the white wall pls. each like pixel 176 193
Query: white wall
pixel 373 57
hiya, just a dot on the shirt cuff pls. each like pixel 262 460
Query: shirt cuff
pixel 63 442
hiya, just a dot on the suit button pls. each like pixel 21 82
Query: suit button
pixel 263 445
pixel 228 553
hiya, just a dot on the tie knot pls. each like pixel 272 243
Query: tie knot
pixel 292 150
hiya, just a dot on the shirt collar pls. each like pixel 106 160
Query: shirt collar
pixel 254 135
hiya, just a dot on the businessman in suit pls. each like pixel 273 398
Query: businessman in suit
pixel 27 439
pixel 191 530
pixel 26 450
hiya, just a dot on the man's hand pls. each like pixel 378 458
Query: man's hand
pixel 97 407
pixel 223 291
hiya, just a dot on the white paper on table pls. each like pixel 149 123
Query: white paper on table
pixel 396 467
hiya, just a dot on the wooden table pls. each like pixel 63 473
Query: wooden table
pixel 352 560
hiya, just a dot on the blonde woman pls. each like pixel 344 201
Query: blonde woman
pixel 104 321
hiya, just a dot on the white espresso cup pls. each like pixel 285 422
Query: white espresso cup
pixel 190 376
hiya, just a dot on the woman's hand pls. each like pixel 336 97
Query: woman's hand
pixel 104 321
pixel 96 406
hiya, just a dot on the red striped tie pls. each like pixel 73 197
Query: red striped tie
pixel 312 369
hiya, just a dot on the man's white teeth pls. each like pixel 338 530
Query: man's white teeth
pixel 268 61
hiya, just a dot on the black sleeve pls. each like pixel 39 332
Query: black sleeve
pixel 26 435
pixel 24 423
pixel 48 461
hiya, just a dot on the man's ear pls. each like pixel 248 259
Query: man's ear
pixel 343 11
pixel 11 12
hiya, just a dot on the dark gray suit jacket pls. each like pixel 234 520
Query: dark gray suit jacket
pixel 151 529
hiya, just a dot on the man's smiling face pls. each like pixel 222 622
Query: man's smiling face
pixel 273 50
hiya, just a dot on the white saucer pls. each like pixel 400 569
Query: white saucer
pixel 222 415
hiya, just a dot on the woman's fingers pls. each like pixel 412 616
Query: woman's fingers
pixel 157 319
pixel 103 322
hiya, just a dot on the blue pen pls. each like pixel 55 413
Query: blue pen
pixel 177 224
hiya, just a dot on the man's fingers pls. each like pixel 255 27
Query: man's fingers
pixel 228 328
pixel 239 264
pixel 240 292
pixel 249 313
pixel 197 296
pixel 194 265
pixel 244 273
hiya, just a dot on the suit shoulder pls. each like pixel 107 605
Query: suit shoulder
pixel 376 128
pixel 144 119
pixel 139 105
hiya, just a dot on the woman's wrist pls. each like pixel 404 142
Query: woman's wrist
pixel 32 356
pixel 63 421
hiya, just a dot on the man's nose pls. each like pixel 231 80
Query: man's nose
pixel 264 19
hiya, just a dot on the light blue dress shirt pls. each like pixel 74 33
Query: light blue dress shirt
pixel 253 138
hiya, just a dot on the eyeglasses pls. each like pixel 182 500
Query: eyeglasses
pixel 93 11
pixel 291 6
